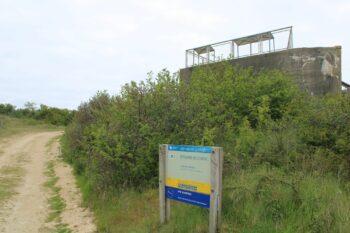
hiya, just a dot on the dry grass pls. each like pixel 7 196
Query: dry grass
pixel 10 177
pixel 10 126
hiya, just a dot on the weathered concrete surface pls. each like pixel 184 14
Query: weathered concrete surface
pixel 316 70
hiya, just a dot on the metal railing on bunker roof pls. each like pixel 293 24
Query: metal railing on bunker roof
pixel 265 42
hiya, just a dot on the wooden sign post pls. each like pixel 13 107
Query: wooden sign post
pixel 193 175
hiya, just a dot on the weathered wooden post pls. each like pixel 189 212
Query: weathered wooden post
pixel 164 202
pixel 216 190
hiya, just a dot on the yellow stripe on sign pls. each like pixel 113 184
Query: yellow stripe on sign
pixel 198 187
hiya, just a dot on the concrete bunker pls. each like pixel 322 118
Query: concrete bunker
pixel 316 70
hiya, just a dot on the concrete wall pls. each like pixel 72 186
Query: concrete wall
pixel 316 70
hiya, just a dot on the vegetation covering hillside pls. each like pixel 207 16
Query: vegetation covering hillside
pixel 287 154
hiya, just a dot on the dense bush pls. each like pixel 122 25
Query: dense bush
pixel 116 138
pixel 7 109
pixel 55 116
pixel 286 153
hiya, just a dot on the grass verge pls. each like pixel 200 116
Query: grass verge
pixel 260 200
pixel 138 212
pixel 128 211
pixel 55 201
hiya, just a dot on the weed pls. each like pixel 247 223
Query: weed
pixel 56 202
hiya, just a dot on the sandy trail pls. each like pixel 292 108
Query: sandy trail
pixel 77 218
pixel 27 210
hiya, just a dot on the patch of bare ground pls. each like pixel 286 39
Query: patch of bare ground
pixel 23 206
pixel 25 199
pixel 74 216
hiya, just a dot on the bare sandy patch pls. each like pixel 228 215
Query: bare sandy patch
pixel 26 208
pixel 74 216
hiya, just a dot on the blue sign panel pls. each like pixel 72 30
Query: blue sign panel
pixel 193 198
pixel 195 149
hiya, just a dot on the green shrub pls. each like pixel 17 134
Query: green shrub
pixel 54 116
pixel 286 164
pixel 115 139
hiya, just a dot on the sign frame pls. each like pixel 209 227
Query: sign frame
pixel 216 167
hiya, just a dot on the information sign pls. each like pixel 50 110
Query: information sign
pixel 193 175
pixel 188 174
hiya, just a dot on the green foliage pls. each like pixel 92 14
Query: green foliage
pixel 13 125
pixel 7 109
pixel 270 200
pixel 116 138
pixel 279 144
pixel 128 211
pixel 55 201
pixel 326 132
pixel 55 116
pixel 51 115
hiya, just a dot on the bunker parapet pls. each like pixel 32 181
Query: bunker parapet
pixel 316 70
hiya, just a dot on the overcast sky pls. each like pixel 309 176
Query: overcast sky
pixel 61 52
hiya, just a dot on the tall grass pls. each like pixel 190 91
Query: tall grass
pixel 12 125
pixel 123 211
pixel 138 212
pixel 270 200
pixel 260 200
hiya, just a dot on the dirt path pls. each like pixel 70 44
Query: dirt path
pixel 24 199
pixel 77 218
